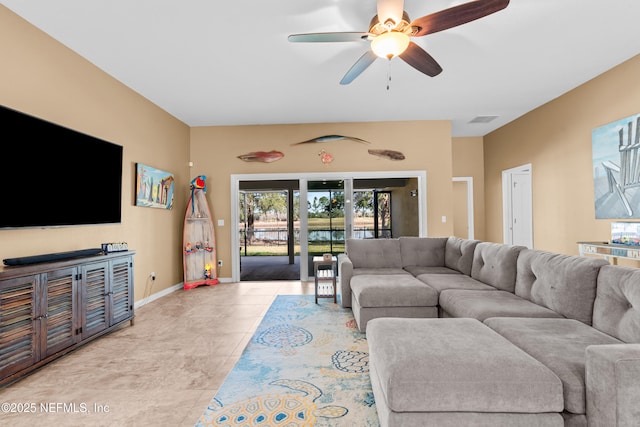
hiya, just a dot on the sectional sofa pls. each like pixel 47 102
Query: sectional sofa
pixel 463 332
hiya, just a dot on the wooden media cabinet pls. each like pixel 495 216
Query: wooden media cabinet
pixel 50 309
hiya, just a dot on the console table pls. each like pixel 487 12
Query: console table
pixel 324 271
pixel 49 309
pixel 610 251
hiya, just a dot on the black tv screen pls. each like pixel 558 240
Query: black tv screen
pixel 52 176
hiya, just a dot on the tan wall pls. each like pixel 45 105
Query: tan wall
pixel 41 77
pixel 556 140
pixel 467 155
pixel 404 210
pixel 39 72
pixel 426 145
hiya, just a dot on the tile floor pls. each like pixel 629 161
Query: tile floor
pixel 163 371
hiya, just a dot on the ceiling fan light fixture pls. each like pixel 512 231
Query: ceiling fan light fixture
pixel 390 44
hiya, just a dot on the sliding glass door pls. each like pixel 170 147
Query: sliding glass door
pixel 268 214
pixel 326 209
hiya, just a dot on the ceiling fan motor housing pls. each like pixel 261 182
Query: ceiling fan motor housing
pixel 376 27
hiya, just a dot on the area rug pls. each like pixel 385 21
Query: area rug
pixel 306 365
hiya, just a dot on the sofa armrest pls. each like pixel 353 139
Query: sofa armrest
pixel 345 271
pixel 613 384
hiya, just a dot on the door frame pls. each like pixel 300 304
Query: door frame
pixel 303 179
pixel 507 202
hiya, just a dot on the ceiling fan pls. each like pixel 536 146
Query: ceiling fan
pixel 391 28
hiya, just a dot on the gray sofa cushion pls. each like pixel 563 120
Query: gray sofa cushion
pixel 402 290
pixel 364 315
pixel 495 264
pixel 616 310
pixel 422 251
pixel 566 284
pixel 484 304
pixel 374 253
pixel 459 365
pixel 345 271
pixel 560 345
pixel 381 271
pixel 458 254
pixel 417 270
pixel 613 384
pixel 468 419
pixel 440 282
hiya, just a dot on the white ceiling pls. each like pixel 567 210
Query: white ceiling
pixel 209 62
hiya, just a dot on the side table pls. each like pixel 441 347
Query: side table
pixel 325 272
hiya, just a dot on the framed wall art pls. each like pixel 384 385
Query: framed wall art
pixel 616 168
pixel 154 187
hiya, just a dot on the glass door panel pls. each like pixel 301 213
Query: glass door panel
pixel 268 214
pixel 385 207
pixel 382 214
pixel 325 219
pixel 363 218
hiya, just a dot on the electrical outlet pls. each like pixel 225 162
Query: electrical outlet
pixel 153 275
pixel 219 263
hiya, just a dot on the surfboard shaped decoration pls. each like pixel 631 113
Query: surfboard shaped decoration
pixel 199 243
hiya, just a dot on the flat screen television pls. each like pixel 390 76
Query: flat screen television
pixel 53 176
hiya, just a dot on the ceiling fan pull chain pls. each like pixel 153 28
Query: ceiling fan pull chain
pixel 389 75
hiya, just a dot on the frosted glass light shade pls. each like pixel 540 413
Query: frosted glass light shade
pixel 390 44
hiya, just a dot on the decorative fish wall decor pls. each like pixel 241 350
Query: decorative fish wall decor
pixel 387 154
pixel 329 138
pixel 262 156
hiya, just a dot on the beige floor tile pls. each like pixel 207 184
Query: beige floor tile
pixel 163 371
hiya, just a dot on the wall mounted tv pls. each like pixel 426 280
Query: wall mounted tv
pixel 52 176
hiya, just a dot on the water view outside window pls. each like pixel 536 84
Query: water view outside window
pixel 263 220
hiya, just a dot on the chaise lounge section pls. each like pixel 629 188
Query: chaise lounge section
pixel 517 316
pixel 378 277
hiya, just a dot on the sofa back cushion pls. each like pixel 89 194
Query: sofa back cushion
pixel 374 253
pixel 423 251
pixel 458 254
pixel 616 310
pixel 566 284
pixel 495 265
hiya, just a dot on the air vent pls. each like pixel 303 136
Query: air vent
pixel 483 119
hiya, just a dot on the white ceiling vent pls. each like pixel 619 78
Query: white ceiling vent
pixel 483 119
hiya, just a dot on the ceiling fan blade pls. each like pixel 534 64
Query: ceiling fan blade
pixel 329 37
pixel 419 59
pixel 457 15
pixel 357 68
pixel 390 9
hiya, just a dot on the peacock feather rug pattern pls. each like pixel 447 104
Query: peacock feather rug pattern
pixel 306 365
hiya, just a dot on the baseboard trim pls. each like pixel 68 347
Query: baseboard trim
pixel 157 295
pixel 167 291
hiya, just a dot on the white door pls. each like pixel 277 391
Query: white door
pixel 517 206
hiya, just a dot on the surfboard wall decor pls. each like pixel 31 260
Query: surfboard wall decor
pixel 199 243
